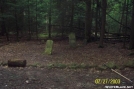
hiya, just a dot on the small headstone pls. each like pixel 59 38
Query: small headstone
pixel 49 46
pixel 72 40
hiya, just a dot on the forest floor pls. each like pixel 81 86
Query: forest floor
pixel 40 74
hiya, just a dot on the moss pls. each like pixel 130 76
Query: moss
pixel 57 65
pixel 73 66
pixel 101 67
pixel 111 65
pixel 36 64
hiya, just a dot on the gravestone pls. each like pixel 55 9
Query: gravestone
pixel 72 40
pixel 49 47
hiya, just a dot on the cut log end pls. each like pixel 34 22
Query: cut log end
pixel 16 63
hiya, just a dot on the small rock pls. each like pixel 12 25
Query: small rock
pixel 27 81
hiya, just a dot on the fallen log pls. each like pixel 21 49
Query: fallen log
pixel 16 63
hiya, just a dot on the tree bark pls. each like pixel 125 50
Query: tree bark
pixel 104 6
pixel 29 22
pixel 36 22
pixel 88 21
pixel 49 26
pixel 125 30
pixel 131 44
pixel 96 19
pixel 122 16
pixel 72 16
pixel 3 22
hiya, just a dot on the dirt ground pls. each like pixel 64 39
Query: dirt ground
pixel 56 78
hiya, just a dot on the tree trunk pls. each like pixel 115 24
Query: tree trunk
pixel 88 21
pixel 104 6
pixel 72 16
pixel 16 22
pixel 131 44
pixel 29 22
pixel 36 22
pixel 96 19
pixel 125 30
pixel 49 26
pixel 62 21
pixel 122 16
pixel 3 24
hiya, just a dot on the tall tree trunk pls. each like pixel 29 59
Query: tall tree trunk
pixel 104 6
pixel 125 30
pixel 3 24
pixel 96 19
pixel 122 16
pixel 131 44
pixel 16 22
pixel 62 23
pixel 29 22
pixel 36 22
pixel 88 21
pixel 62 15
pixel 49 27
pixel 72 16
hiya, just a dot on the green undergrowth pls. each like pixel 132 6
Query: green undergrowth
pixel 108 65
pixel 70 66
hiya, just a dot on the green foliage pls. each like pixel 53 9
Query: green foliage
pixel 111 65
pixel 32 13
pixel 36 64
pixel 57 65
pixel 70 66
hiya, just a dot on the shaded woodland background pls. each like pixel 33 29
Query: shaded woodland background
pixel 90 20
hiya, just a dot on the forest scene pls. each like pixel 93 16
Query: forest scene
pixel 66 44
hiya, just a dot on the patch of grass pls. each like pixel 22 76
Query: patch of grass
pixel 36 64
pixel 70 66
pixel 101 67
pixel 130 64
pixel 42 35
pixel 57 65
pixel 111 65
pixel 74 66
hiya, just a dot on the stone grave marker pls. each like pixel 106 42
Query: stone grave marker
pixel 49 47
pixel 72 40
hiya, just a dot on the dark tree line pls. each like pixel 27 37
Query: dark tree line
pixel 87 18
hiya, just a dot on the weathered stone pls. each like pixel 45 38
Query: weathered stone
pixel 49 47
pixel 72 40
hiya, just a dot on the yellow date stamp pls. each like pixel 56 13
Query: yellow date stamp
pixel 107 81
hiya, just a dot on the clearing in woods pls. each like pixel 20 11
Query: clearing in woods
pixel 40 74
